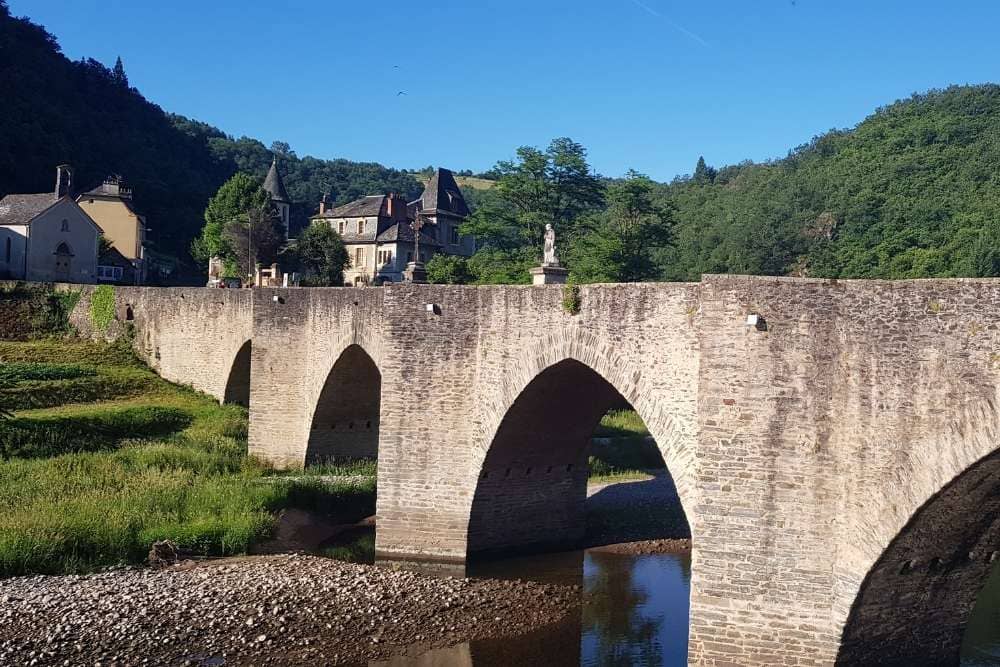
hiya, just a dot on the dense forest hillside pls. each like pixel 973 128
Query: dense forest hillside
pixel 84 114
pixel 912 191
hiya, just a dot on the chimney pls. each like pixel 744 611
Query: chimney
pixel 396 206
pixel 388 204
pixel 322 204
pixel 64 180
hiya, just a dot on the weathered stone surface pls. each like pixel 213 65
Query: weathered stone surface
pixel 836 465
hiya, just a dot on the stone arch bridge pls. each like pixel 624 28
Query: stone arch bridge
pixel 837 461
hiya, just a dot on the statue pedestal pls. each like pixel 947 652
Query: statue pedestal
pixel 548 275
pixel 415 273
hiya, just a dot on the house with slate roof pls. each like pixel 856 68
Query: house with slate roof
pixel 378 235
pixel 47 237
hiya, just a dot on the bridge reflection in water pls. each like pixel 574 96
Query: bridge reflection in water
pixel 634 612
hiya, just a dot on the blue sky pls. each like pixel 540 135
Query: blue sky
pixel 643 84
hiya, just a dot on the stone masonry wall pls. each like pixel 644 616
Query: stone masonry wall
pixel 819 440
pixel 843 451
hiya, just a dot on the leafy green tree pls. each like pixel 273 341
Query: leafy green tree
pixel 621 243
pixel 554 186
pixel 448 270
pixel 238 198
pixel 321 256
pixel 255 240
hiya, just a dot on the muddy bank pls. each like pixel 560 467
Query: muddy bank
pixel 287 609
pixel 646 547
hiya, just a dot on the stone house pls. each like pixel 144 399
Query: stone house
pixel 378 235
pixel 110 206
pixel 48 236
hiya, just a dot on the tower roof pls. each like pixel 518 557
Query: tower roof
pixel 442 195
pixel 274 185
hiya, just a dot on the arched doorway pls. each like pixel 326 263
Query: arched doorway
pixel 238 383
pixel 345 423
pixel 63 261
pixel 532 487
pixel 915 602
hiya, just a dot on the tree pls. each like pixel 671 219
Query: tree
pixel 256 239
pixel 703 173
pixel 620 244
pixel 448 270
pixel 554 186
pixel 233 202
pixel 118 73
pixel 321 256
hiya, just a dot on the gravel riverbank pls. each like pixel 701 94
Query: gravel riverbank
pixel 280 610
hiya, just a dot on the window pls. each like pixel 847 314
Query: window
pixel 361 227
pixel 8 252
pixel 359 257
pixel 65 225
pixel 384 257
pixel 109 273
pixel 454 235
pixel 340 227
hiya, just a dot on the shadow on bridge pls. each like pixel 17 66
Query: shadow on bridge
pixel 238 383
pixel 345 425
pixel 531 494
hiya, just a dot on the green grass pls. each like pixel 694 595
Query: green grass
pixel 619 424
pixel 333 468
pixel 28 371
pixel 359 550
pixel 67 508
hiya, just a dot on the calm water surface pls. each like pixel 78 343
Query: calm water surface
pixel 635 613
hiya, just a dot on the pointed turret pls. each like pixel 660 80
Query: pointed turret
pixel 275 186
pixel 279 196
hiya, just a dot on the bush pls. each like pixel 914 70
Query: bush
pixel 102 307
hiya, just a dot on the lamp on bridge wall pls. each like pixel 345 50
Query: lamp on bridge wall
pixel 757 321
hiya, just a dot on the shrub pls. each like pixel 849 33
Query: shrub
pixel 102 307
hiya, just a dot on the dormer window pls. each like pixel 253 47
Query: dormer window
pixel 361 227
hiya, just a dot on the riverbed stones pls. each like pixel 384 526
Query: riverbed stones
pixel 290 610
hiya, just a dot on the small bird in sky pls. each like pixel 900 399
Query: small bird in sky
pixel 402 92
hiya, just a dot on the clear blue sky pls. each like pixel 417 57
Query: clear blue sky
pixel 643 84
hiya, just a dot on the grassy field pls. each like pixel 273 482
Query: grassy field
pixel 625 451
pixel 102 458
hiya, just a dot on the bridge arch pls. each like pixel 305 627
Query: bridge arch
pixel 532 471
pixel 345 417
pixel 237 389
pixel 914 603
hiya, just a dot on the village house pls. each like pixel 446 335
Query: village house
pixel 378 235
pixel 48 237
pixel 110 206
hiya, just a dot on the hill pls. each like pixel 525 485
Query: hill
pixel 913 191
pixel 87 115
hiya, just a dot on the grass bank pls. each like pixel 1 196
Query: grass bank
pixel 93 477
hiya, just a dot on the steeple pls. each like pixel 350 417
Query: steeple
pixel 275 186
pixel 279 196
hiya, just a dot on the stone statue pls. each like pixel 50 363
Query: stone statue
pixel 549 256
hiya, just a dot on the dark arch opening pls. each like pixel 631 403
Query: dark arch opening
pixel 345 424
pixel 130 314
pixel 914 605
pixel 532 489
pixel 238 384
